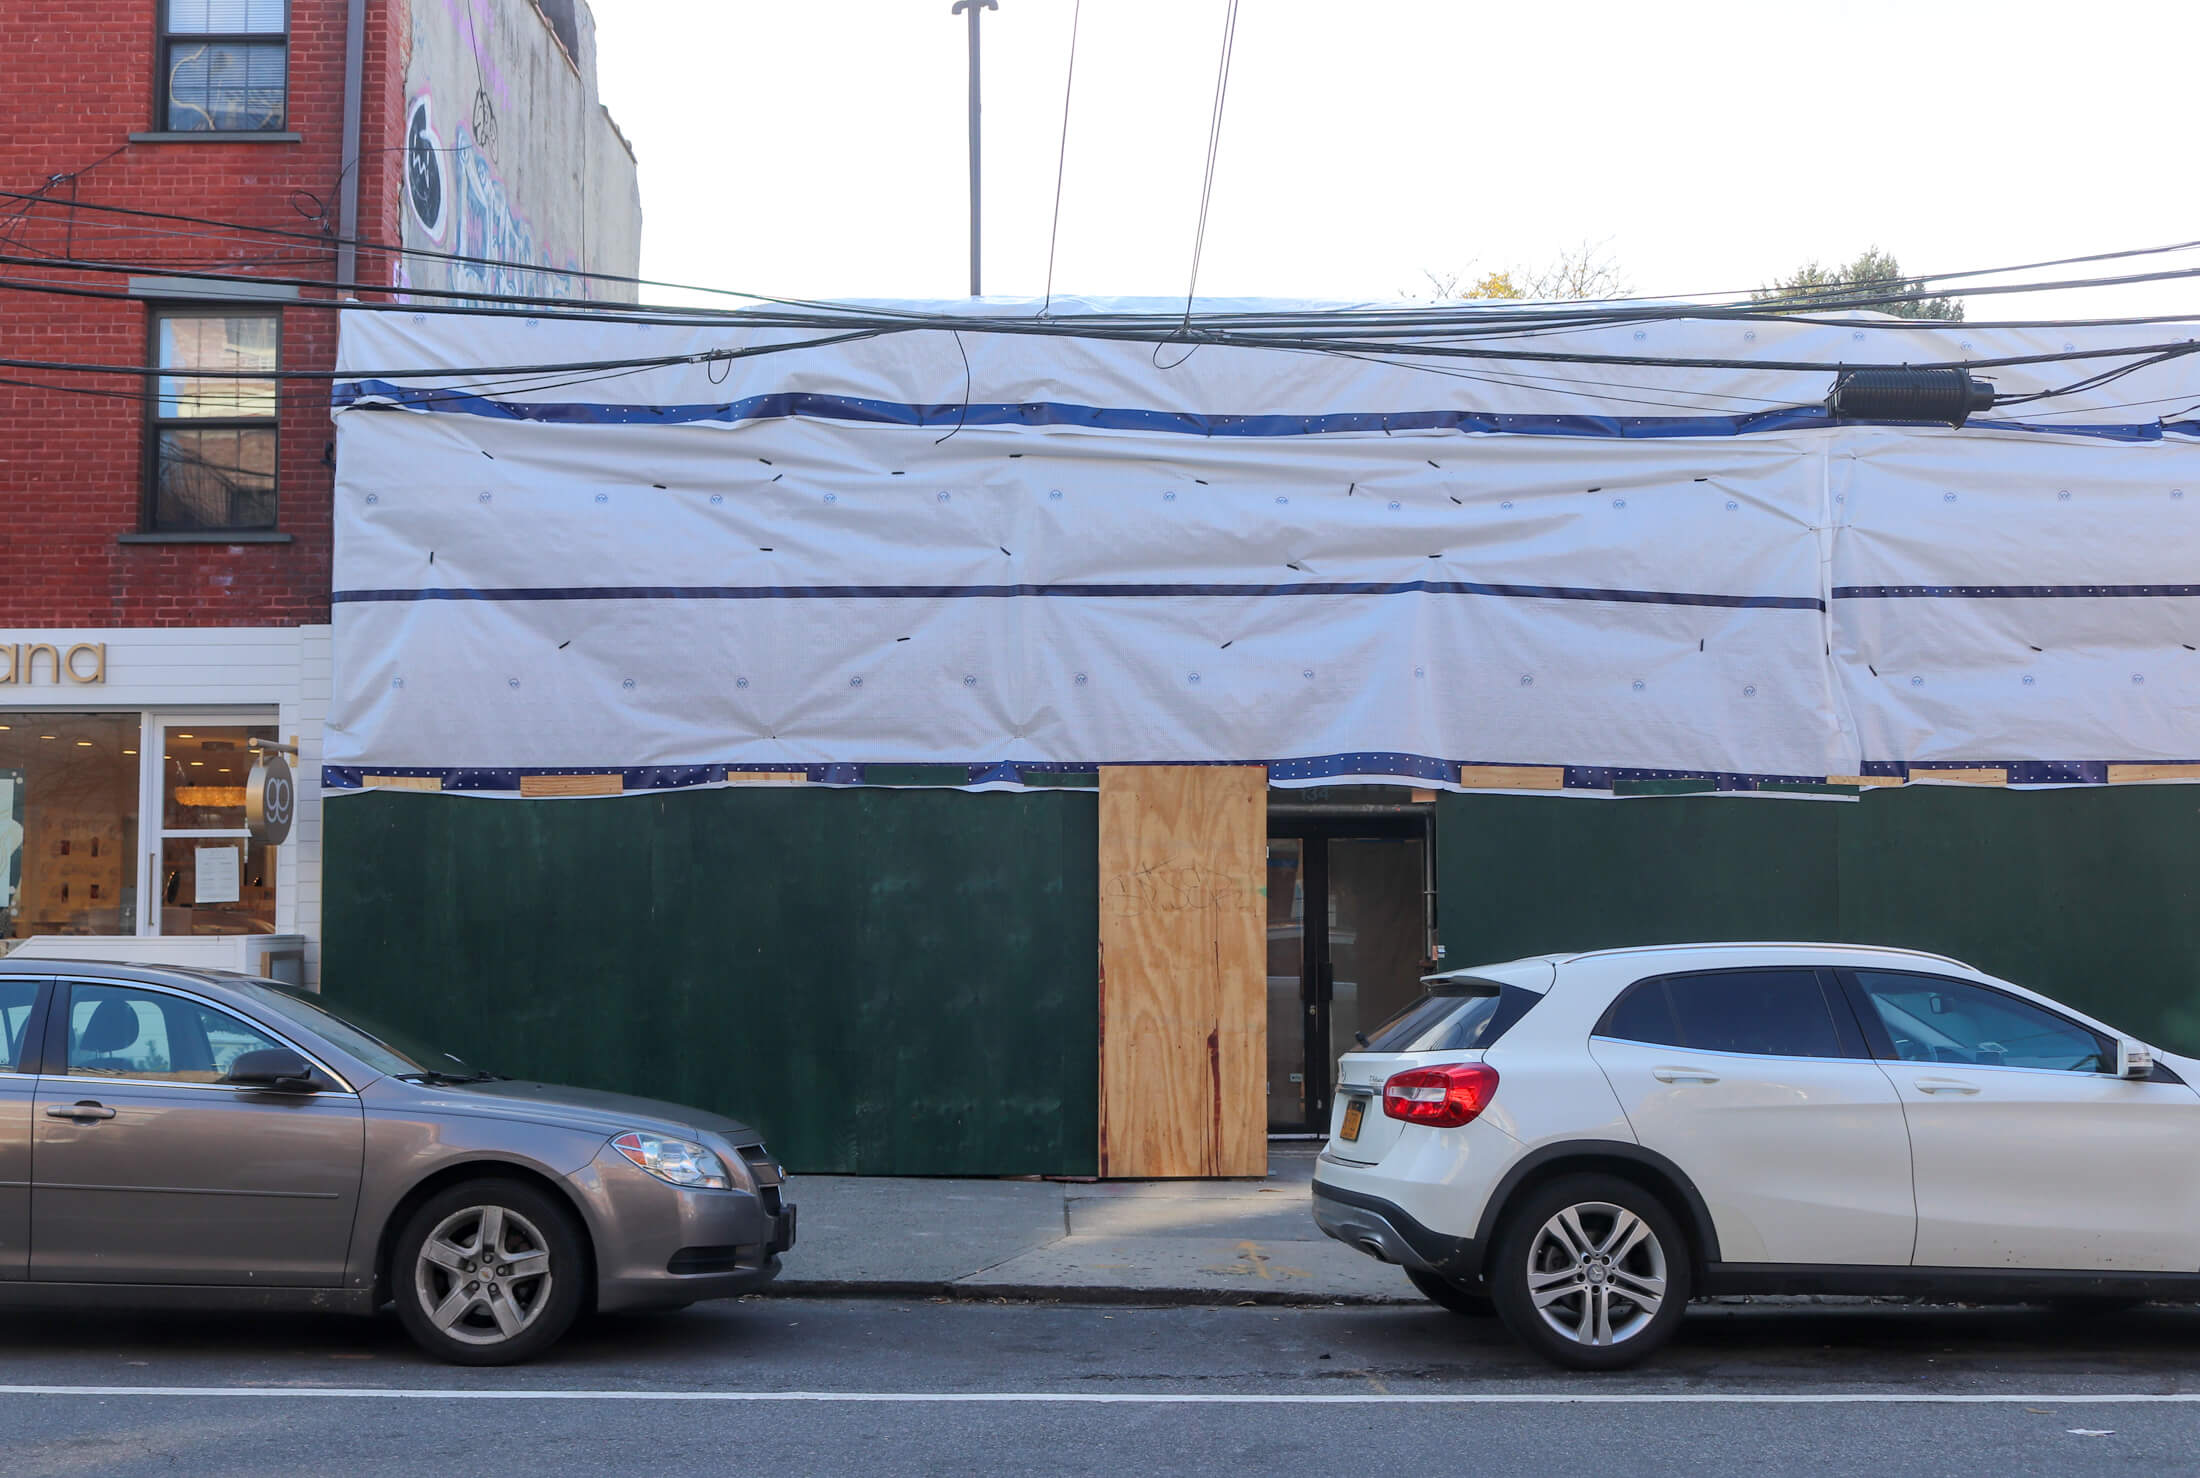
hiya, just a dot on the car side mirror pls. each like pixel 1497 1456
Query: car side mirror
pixel 2134 1059
pixel 271 1067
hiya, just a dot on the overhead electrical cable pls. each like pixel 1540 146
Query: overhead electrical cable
pixel 1445 321
pixel 1061 157
pixel 1397 328
pixel 1214 143
pixel 1839 293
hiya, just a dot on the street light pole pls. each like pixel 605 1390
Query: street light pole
pixel 972 8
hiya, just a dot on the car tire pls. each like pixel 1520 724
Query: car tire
pixel 1618 1259
pixel 468 1308
pixel 1468 1303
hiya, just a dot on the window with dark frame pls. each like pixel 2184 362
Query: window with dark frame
pixel 211 441
pixel 224 65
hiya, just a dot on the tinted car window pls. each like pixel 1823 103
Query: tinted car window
pixel 1643 1014
pixel 1768 1013
pixel 1454 1016
pixel 122 1032
pixel 17 995
pixel 1933 1019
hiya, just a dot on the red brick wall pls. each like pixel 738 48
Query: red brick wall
pixel 71 472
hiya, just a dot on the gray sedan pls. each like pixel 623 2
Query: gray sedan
pixel 193 1138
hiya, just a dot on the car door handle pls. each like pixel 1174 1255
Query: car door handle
pixel 1683 1075
pixel 1944 1085
pixel 85 1110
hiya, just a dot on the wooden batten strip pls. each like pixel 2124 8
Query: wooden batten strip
pixel 767 777
pixel 1513 777
pixel 401 782
pixel 2140 774
pixel 1990 776
pixel 1863 780
pixel 572 784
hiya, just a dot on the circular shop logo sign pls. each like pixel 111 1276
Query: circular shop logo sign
pixel 270 800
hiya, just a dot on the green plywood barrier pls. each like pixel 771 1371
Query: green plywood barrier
pixel 2086 894
pixel 882 981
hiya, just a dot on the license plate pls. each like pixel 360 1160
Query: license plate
pixel 1355 1109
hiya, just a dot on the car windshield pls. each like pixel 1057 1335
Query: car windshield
pixel 382 1048
pixel 1456 1014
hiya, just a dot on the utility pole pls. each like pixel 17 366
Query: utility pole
pixel 972 8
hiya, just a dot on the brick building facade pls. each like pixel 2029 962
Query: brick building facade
pixel 176 180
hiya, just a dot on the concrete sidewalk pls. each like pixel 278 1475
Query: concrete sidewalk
pixel 1196 1241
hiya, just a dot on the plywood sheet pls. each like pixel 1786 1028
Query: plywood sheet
pixel 402 782
pixel 1183 970
pixel 572 784
pixel 1512 777
pixel 2142 774
pixel 1993 775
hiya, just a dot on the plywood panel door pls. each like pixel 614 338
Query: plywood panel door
pixel 1183 970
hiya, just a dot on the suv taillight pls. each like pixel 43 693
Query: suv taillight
pixel 1441 1097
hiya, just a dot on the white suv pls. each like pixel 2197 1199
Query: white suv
pixel 1582 1143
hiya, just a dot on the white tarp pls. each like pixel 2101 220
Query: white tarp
pixel 789 561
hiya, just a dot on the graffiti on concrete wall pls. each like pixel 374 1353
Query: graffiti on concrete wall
pixel 458 204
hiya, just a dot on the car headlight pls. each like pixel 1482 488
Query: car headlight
pixel 675 1161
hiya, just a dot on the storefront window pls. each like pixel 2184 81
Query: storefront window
pixel 213 878
pixel 68 823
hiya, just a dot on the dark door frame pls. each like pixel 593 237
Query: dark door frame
pixel 1317 972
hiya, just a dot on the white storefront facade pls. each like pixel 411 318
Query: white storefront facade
pixel 124 754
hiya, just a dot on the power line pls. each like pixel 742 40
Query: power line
pixel 1449 321
pixel 1317 332
pixel 1061 158
pixel 1838 293
pixel 1214 142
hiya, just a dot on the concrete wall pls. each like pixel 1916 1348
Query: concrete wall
pixel 510 155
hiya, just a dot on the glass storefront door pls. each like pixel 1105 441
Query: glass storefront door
pixel 1348 943
pixel 1286 968
pixel 208 875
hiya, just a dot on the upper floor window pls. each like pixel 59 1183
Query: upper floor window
pixel 224 65
pixel 212 438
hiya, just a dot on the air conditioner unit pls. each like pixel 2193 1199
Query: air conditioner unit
pixel 274 956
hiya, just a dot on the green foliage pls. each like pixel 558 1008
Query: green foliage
pixel 1873 274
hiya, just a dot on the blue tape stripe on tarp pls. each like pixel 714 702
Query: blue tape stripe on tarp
pixel 1299 767
pixel 1084 592
pixel 788 405
pixel 2013 592
pixel 1325 766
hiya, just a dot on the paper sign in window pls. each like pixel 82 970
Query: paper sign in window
pixel 219 875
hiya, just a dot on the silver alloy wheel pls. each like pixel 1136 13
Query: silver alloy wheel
pixel 483 1275
pixel 1596 1273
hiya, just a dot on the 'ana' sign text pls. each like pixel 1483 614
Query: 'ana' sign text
pixel 21 662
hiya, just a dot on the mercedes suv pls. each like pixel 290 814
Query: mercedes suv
pixel 1582 1143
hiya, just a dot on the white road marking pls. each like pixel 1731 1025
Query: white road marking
pixel 1157 1398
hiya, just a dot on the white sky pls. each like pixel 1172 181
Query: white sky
pixel 818 149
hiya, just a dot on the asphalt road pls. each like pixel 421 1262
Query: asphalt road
pixel 800 1386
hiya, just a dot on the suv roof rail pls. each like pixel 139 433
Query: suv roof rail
pixel 1880 949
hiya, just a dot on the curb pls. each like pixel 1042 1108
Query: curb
pixel 1102 1294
